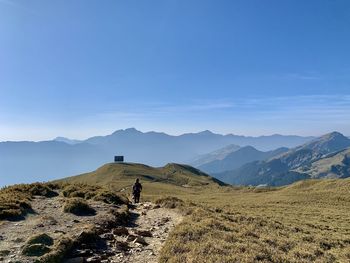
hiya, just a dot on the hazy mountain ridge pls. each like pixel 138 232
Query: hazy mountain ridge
pixel 238 158
pixel 296 164
pixel 215 155
pixel 47 160
pixel 66 140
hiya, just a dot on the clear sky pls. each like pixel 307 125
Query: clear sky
pixel 81 68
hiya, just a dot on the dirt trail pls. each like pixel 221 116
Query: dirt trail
pixel 159 222
pixel 148 229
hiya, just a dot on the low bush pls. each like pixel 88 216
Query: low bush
pixel 15 200
pixel 79 190
pixel 94 192
pixel 170 202
pixel 122 215
pixel 58 252
pixel 35 250
pixel 78 206
pixel 37 245
pixel 110 198
pixel 43 238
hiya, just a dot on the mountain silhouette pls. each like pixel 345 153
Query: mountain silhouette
pixel 46 160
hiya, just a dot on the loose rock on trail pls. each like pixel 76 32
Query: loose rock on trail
pixel 148 231
pixel 140 240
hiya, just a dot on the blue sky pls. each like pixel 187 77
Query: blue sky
pixel 81 68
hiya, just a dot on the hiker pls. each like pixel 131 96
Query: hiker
pixel 136 191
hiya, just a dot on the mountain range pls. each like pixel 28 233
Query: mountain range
pixel 237 158
pixel 22 162
pixel 327 156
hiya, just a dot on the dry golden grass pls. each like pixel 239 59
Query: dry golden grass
pixel 78 206
pixel 306 222
pixel 15 200
pixel 96 193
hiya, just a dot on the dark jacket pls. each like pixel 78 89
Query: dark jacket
pixel 136 188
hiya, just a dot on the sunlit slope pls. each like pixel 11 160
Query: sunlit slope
pixel 334 166
pixel 124 174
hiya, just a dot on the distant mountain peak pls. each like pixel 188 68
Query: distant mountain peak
pixel 206 132
pixel 66 140
pixel 333 141
pixel 132 129
pixel 128 130
pixel 333 135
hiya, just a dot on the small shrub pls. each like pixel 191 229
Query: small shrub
pixel 43 238
pixel 111 198
pixel 79 190
pixel 42 190
pixel 78 193
pixel 15 199
pixel 11 213
pixel 170 202
pixel 88 236
pixel 35 250
pixel 69 189
pixel 14 204
pixel 78 206
pixel 122 215
pixel 58 252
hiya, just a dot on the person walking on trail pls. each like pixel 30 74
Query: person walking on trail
pixel 136 191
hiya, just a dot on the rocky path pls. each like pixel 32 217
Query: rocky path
pixel 139 241
pixel 153 225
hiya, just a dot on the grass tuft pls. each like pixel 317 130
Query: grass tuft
pixel 170 202
pixel 15 200
pixel 78 206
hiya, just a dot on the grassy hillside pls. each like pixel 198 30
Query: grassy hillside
pixel 304 222
pixel 164 180
pixel 308 221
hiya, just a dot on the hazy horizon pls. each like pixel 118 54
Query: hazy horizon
pixel 171 134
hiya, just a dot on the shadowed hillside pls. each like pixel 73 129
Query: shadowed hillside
pixel 336 165
pixel 238 158
pixel 316 159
